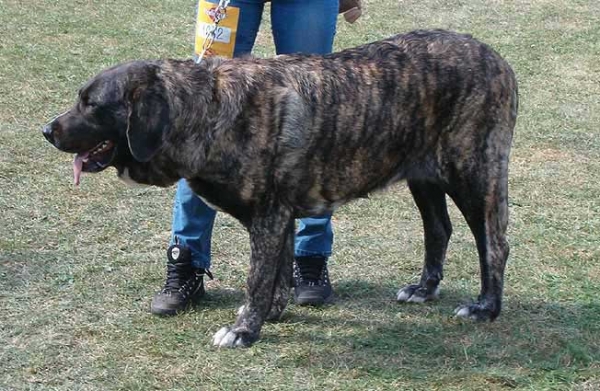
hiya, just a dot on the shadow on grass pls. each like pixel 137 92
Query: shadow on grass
pixel 369 331
pixel 366 329
pixel 222 298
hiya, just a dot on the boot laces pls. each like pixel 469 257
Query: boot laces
pixel 311 272
pixel 179 276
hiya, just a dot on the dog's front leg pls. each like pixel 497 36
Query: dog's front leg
pixel 283 281
pixel 271 243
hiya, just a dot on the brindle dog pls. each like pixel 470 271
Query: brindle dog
pixel 270 140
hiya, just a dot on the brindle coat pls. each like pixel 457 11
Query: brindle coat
pixel 269 140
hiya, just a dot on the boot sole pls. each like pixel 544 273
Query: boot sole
pixel 174 311
pixel 314 301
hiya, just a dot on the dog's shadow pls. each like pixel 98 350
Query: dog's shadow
pixel 369 326
pixel 352 293
pixel 368 329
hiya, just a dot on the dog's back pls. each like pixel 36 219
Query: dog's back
pixel 412 106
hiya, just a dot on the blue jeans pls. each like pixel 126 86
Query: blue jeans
pixel 299 26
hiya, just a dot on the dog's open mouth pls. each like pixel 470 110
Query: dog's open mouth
pixel 94 160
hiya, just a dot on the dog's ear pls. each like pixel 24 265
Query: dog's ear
pixel 148 119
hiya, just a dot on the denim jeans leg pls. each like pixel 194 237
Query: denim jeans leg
pixel 314 237
pixel 304 26
pixel 299 26
pixel 192 219
pixel 192 224
pixel 307 26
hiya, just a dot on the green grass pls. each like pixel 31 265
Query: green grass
pixel 78 266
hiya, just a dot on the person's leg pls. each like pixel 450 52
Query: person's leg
pixel 189 252
pixel 313 243
pixel 249 23
pixel 308 26
pixel 314 237
pixel 304 26
pixel 188 256
pixel 192 225
pixel 192 218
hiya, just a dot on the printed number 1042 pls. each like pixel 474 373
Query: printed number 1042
pixel 222 34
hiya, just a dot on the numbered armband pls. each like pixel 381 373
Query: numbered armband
pixel 224 34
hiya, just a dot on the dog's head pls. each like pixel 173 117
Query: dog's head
pixel 120 119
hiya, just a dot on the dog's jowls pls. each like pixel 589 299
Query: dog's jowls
pixel 269 140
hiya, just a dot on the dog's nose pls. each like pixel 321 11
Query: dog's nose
pixel 48 133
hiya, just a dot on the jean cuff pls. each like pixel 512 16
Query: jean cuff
pixel 305 253
pixel 200 261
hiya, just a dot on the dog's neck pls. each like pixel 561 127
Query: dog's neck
pixel 207 99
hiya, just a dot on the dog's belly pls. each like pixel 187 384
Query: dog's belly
pixel 325 183
pixel 329 194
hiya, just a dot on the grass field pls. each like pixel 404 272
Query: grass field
pixel 78 266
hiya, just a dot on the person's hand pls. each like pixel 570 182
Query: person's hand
pixel 352 10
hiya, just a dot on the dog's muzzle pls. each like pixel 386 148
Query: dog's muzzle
pixel 48 133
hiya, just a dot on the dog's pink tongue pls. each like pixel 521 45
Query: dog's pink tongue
pixel 78 166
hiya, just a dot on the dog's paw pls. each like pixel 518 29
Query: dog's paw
pixel 477 312
pixel 228 338
pixel 416 294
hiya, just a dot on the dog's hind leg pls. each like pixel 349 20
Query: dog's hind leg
pixel 271 242
pixel 431 201
pixel 483 200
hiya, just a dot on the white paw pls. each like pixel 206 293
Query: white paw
pixel 478 312
pixel 227 338
pixel 462 312
pixel 416 299
pixel 403 294
pixel 465 312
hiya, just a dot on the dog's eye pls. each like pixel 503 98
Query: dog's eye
pixel 86 102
